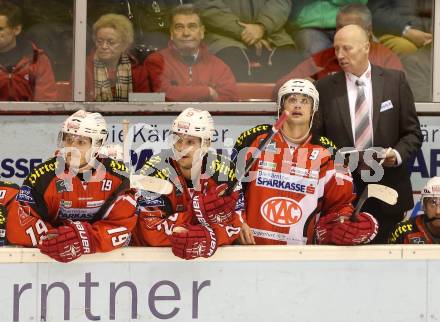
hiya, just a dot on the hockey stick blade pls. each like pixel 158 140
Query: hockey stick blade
pixel 151 184
pixel 378 191
pixel 256 154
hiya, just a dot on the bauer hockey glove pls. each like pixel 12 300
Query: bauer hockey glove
pixel 214 208
pixel 338 229
pixel 192 241
pixel 67 243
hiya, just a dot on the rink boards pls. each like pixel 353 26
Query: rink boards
pixel 295 283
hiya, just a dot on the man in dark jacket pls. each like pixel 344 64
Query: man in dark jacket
pixel 366 106
pixel 250 37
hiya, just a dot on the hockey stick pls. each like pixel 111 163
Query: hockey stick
pixel 257 152
pixel 378 191
pixel 151 184
pixel 123 187
pixel 142 182
pixel 125 145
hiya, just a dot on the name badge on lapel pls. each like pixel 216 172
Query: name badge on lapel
pixel 386 106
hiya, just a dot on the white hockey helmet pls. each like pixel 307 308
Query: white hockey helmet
pixel 431 190
pixel 87 124
pixel 300 86
pixel 196 123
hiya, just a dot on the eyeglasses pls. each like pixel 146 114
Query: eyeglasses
pixel 109 43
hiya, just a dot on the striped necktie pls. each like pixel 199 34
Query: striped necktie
pixel 363 131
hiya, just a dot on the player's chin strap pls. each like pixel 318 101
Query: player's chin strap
pixel 301 139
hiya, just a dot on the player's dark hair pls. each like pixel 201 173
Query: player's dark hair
pixel 12 12
pixel 317 122
pixel 185 9
pixel 359 10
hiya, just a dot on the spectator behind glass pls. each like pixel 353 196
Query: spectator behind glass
pixel 150 20
pixel 112 73
pixel 186 70
pixel 312 23
pixel 25 71
pixel 325 62
pixel 404 25
pixel 250 37
pixel 49 25
pixel 418 69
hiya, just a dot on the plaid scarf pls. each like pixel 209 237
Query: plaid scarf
pixel 124 81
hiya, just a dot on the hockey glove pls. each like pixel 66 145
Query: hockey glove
pixel 214 208
pixel 192 241
pixel 338 229
pixel 67 243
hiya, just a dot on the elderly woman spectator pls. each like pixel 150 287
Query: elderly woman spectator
pixel 112 73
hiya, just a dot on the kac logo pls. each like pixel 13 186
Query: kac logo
pixel 281 211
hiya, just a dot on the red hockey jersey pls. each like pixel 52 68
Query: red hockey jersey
pixel 8 191
pixel 413 231
pixel 49 196
pixel 288 189
pixel 158 216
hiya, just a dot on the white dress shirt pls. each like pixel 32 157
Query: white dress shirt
pixel 352 91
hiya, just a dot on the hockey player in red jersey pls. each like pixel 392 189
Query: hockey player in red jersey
pixel 76 203
pixel 424 228
pixel 195 218
pixel 295 194
pixel 8 191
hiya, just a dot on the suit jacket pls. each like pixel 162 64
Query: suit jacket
pixel 397 127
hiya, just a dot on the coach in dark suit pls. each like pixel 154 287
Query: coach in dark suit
pixel 365 106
